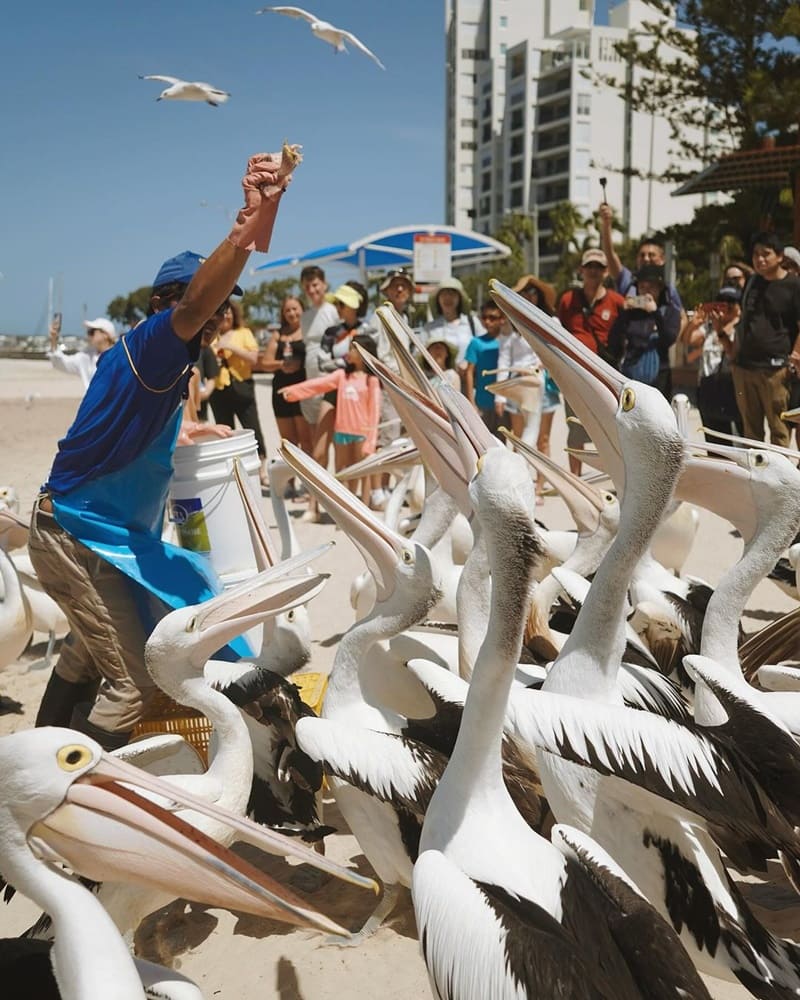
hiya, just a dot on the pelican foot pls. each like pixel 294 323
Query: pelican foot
pixel 379 914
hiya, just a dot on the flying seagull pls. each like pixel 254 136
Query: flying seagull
pixel 327 32
pixel 182 90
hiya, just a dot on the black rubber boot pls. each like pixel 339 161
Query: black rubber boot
pixel 60 698
pixel 107 739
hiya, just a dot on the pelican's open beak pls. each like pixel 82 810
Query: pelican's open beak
pixel 592 387
pixel 398 333
pixel 381 547
pixel 720 486
pixel 432 431
pixel 397 458
pixel 585 502
pixel 106 830
pixel 265 595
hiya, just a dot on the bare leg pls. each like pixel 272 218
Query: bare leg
pixel 543 445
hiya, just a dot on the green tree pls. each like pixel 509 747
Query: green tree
pixel 129 309
pixel 262 304
pixel 729 77
pixel 516 231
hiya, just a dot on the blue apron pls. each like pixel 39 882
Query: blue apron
pixel 120 517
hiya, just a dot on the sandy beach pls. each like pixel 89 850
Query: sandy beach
pixel 240 957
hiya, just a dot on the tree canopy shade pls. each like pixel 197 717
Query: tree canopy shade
pixel 735 76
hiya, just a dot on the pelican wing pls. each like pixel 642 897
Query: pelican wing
pixel 348 36
pixel 663 969
pixel 171 80
pixel 749 800
pixel 290 12
pixel 390 768
pixel 480 940
pixel 651 691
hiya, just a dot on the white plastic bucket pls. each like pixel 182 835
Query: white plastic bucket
pixel 205 504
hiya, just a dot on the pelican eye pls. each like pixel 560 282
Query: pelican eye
pixel 759 458
pixel 74 756
pixel 628 400
pixel 608 498
pixel 191 625
pixel 408 557
pixel 290 615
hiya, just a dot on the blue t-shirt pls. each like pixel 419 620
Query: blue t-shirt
pixel 482 352
pixel 118 417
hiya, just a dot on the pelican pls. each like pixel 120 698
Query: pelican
pixel 15 623
pixel 654 849
pixel 502 912
pixel 175 655
pixel 64 801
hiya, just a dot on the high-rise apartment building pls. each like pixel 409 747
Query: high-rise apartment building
pixel 528 125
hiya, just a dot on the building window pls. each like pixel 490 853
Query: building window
pixel 486 181
pixel 517 65
pixel 517 147
pixel 517 97
pixel 515 174
pixel 580 49
pixel 606 51
pixel 486 160
pixel 485 206
pixel 469 146
pixel 583 133
pixel 487 108
pixel 516 197
pixel 469 123
pixel 517 118
pixel 476 54
pixel 503 21
pixel 584 104
pixel 503 48
pixel 486 132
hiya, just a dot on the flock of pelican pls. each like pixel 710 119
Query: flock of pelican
pixel 553 739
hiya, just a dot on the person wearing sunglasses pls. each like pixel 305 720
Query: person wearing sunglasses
pixel 100 336
pixel 95 538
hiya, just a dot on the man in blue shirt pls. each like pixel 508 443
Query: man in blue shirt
pixel 481 356
pixel 95 538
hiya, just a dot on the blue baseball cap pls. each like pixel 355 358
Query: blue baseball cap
pixel 182 268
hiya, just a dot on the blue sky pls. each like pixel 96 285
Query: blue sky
pixel 100 182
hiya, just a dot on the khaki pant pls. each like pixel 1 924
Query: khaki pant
pixel 762 394
pixel 107 637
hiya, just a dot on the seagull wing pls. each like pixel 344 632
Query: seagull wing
pixel 290 12
pixel 171 80
pixel 348 36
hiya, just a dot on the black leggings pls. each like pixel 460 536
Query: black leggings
pixel 239 400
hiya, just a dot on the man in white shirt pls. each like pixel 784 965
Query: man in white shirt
pixel 101 336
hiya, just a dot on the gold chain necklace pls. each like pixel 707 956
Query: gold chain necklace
pixel 139 378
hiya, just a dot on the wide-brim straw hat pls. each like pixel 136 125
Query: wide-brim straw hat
pixel 546 291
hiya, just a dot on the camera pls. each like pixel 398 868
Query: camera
pixel 639 301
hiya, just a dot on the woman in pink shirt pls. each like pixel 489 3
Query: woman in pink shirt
pixel 358 407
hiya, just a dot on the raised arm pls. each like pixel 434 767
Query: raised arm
pixel 606 214
pixel 267 177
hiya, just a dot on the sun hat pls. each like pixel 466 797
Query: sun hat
pixel 182 268
pixel 453 285
pixel 345 294
pixel 792 254
pixel 594 256
pixel 547 291
pixel 400 275
pixel 101 324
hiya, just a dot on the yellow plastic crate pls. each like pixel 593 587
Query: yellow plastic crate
pixel 164 715
pixel 312 688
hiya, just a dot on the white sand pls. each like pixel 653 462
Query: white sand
pixel 235 957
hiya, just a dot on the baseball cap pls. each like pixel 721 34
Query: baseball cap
pixel 345 294
pixel 182 267
pixel 728 294
pixel 792 254
pixel 101 324
pixel 594 256
pixel 400 275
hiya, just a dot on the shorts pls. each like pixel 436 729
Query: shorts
pixel 339 438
